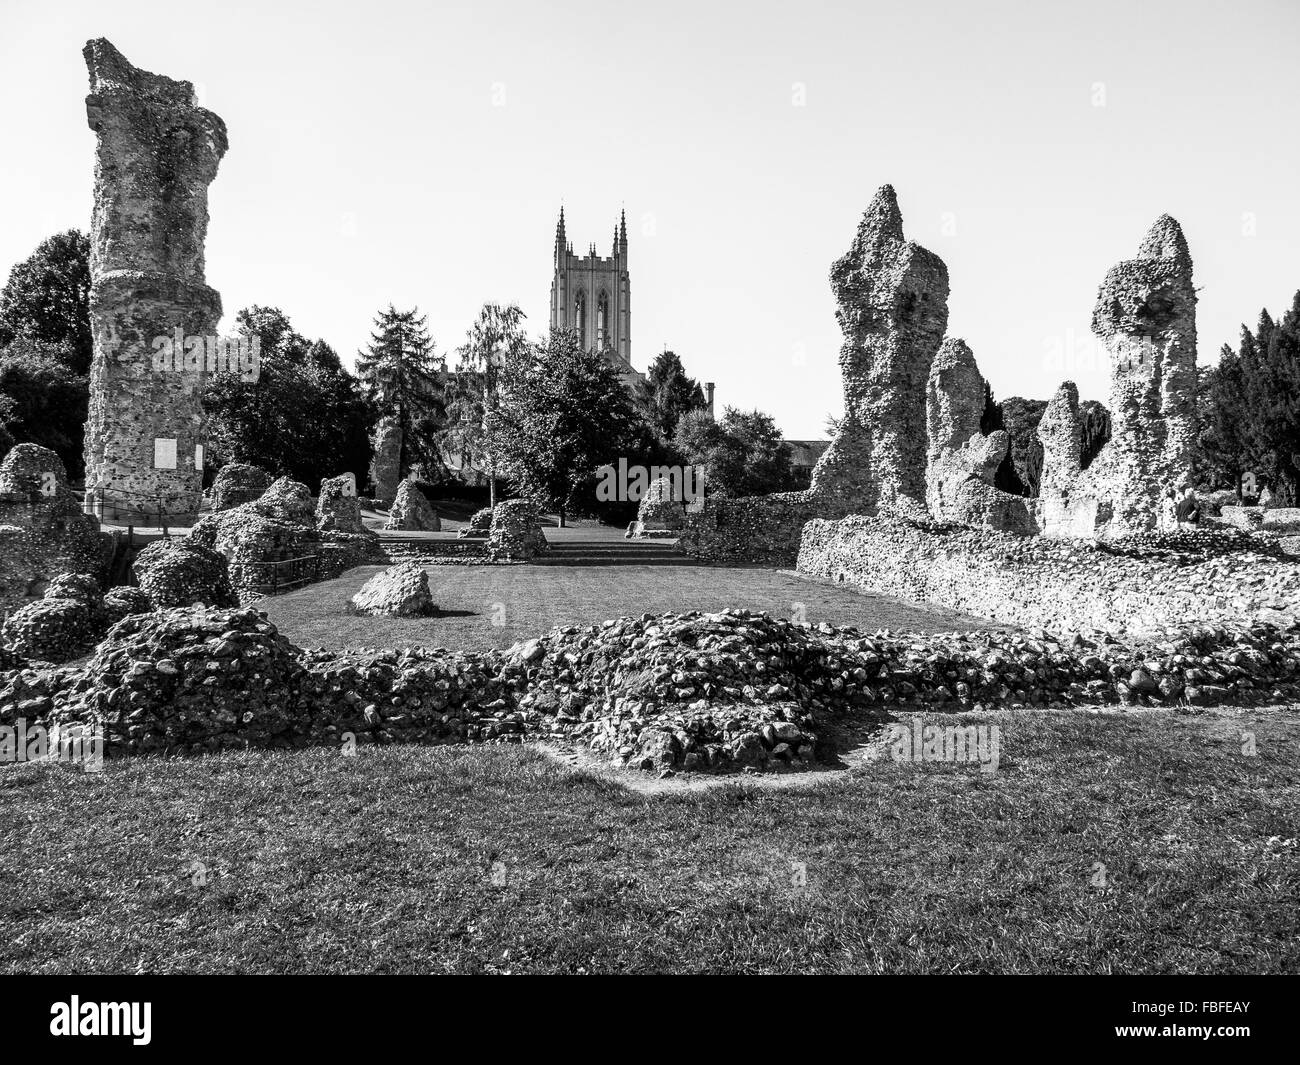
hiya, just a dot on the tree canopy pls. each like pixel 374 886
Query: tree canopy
pixel 47 300
pixel 562 413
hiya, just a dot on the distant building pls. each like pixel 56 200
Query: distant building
pixel 804 455
pixel 592 296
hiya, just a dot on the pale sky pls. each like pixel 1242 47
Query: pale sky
pixel 418 153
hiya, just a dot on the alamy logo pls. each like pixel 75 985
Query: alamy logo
pixel 628 484
pixel 102 1018
pixel 66 743
pixel 179 353
pixel 949 743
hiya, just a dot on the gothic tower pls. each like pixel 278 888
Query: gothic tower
pixel 591 295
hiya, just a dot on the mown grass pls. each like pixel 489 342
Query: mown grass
pixel 461 859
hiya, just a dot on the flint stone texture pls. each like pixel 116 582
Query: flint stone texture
pixel 661 511
pixel 238 482
pixel 1140 584
pixel 893 312
pixel 402 592
pixel 277 527
pixel 43 531
pixel 1146 316
pixel 480 523
pixel 962 463
pixel 197 680
pixel 178 571
pixel 385 469
pixel 411 512
pixel 156 154
pixel 338 506
pixel 516 532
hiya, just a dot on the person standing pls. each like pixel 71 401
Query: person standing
pixel 1188 509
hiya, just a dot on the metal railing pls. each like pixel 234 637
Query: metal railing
pixel 286 573
pixel 160 510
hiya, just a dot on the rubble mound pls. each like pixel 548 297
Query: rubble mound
pixel 191 678
pixel 411 512
pixel 124 600
pixel 179 571
pixel 480 523
pixel 286 500
pixel 401 591
pixel 53 629
pixel 83 587
pixel 516 532
pixel 238 483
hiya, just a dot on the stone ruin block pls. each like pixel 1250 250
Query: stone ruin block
pixel 156 153
pixel 893 311
pixel 401 591
pixel 963 462
pixel 338 507
pixel 385 467
pixel 516 531
pixel 661 512
pixel 1146 316
pixel 43 531
pixel 411 512
pixel 480 524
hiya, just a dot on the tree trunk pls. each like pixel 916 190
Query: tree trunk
pixel 562 516
pixel 492 489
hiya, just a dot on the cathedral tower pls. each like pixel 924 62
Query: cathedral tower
pixel 591 295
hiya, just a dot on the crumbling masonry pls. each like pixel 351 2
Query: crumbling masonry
pixel 1146 316
pixel 156 154
pixel 893 311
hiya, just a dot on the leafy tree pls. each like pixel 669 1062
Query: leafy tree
pixel 742 454
pixel 403 377
pixel 305 416
pixel 47 300
pixel 495 338
pixel 42 401
pixel 562 413
pixel 672 393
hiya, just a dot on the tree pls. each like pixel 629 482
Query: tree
pixel 672 393
pixel 1250 407
pixel 562 413
pixel 42 401
pixel 742 454
pixel 403 378
pixel 47 300
pixel 495 338
pixel 304 416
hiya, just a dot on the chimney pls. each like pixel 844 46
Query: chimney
pixel 708 396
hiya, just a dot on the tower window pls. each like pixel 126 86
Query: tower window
pixel 602 321
pixel 580 317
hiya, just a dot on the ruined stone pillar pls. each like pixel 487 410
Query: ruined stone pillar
pixel 153 318
pixel 893 311
pixel 1146 316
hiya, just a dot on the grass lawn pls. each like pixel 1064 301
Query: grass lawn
pixel 495 606
pixel 460 859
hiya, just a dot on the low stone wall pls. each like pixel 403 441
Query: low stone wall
pixel 1138 585
pixel 755 530
pixel 694 691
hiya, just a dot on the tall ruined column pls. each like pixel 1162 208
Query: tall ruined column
pixel 156 153
pixel 893 311
pixel 1146 316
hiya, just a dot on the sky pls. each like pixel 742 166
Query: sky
pixel 418 153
